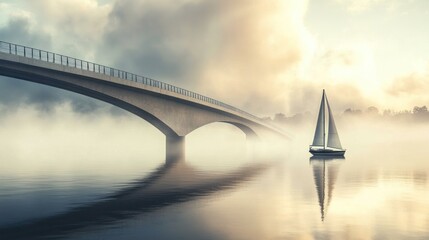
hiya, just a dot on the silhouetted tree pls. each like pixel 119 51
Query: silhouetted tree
pixel 420 113
pixel 351 112
pixel 372 110
pixel 279 116
pixel 388 113
pixel 420 110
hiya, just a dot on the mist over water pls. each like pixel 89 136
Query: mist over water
pixel 68 175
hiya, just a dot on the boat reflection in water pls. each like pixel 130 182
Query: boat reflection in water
pixel 325 172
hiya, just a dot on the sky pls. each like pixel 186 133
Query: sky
pixel 262 56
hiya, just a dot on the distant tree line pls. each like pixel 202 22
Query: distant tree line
pixel 417 114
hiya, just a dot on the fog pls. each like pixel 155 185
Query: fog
pixel 65 141
pixel 385 164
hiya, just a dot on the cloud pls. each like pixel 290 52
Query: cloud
pixel 163 39
pixel 258 56
pixel 352 63
pixel 409 90
pixel 237 51
pixel 255 55
pixel 67 27
pixel 77 26
pixel 346 58
pixel 14 92
pixel 74 30
pixel 346 72
pixel 412 84
pixel 306 97
pixel 19 30
pixel 360 5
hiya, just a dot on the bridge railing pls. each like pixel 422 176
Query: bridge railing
pixel 46 56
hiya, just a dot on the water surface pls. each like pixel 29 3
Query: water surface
pixel 222 189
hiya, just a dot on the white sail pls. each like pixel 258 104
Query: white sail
pixel 319 135
pixel 333 138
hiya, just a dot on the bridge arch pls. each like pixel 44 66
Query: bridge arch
pixel 127 106
pixel 248 131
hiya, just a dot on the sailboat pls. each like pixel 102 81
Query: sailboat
pixel 326 144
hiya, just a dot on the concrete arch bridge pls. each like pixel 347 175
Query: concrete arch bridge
pixel 173 110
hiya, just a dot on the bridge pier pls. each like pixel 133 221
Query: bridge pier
pixel 174 149
pixel 252 144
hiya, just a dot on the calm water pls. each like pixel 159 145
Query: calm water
pixel 223 189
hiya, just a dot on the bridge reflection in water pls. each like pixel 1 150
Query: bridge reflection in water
pixel 325 173
pixel 173 182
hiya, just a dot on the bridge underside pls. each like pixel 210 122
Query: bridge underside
pixel 175 117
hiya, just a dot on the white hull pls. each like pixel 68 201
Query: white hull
pixel 327 152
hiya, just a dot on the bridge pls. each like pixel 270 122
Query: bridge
pixel 173 110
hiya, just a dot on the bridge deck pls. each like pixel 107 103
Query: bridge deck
pixel 54 61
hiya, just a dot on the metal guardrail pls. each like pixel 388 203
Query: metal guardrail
pixel 33 53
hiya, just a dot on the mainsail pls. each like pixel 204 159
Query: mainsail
pixel 333 138
pixel 319 135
